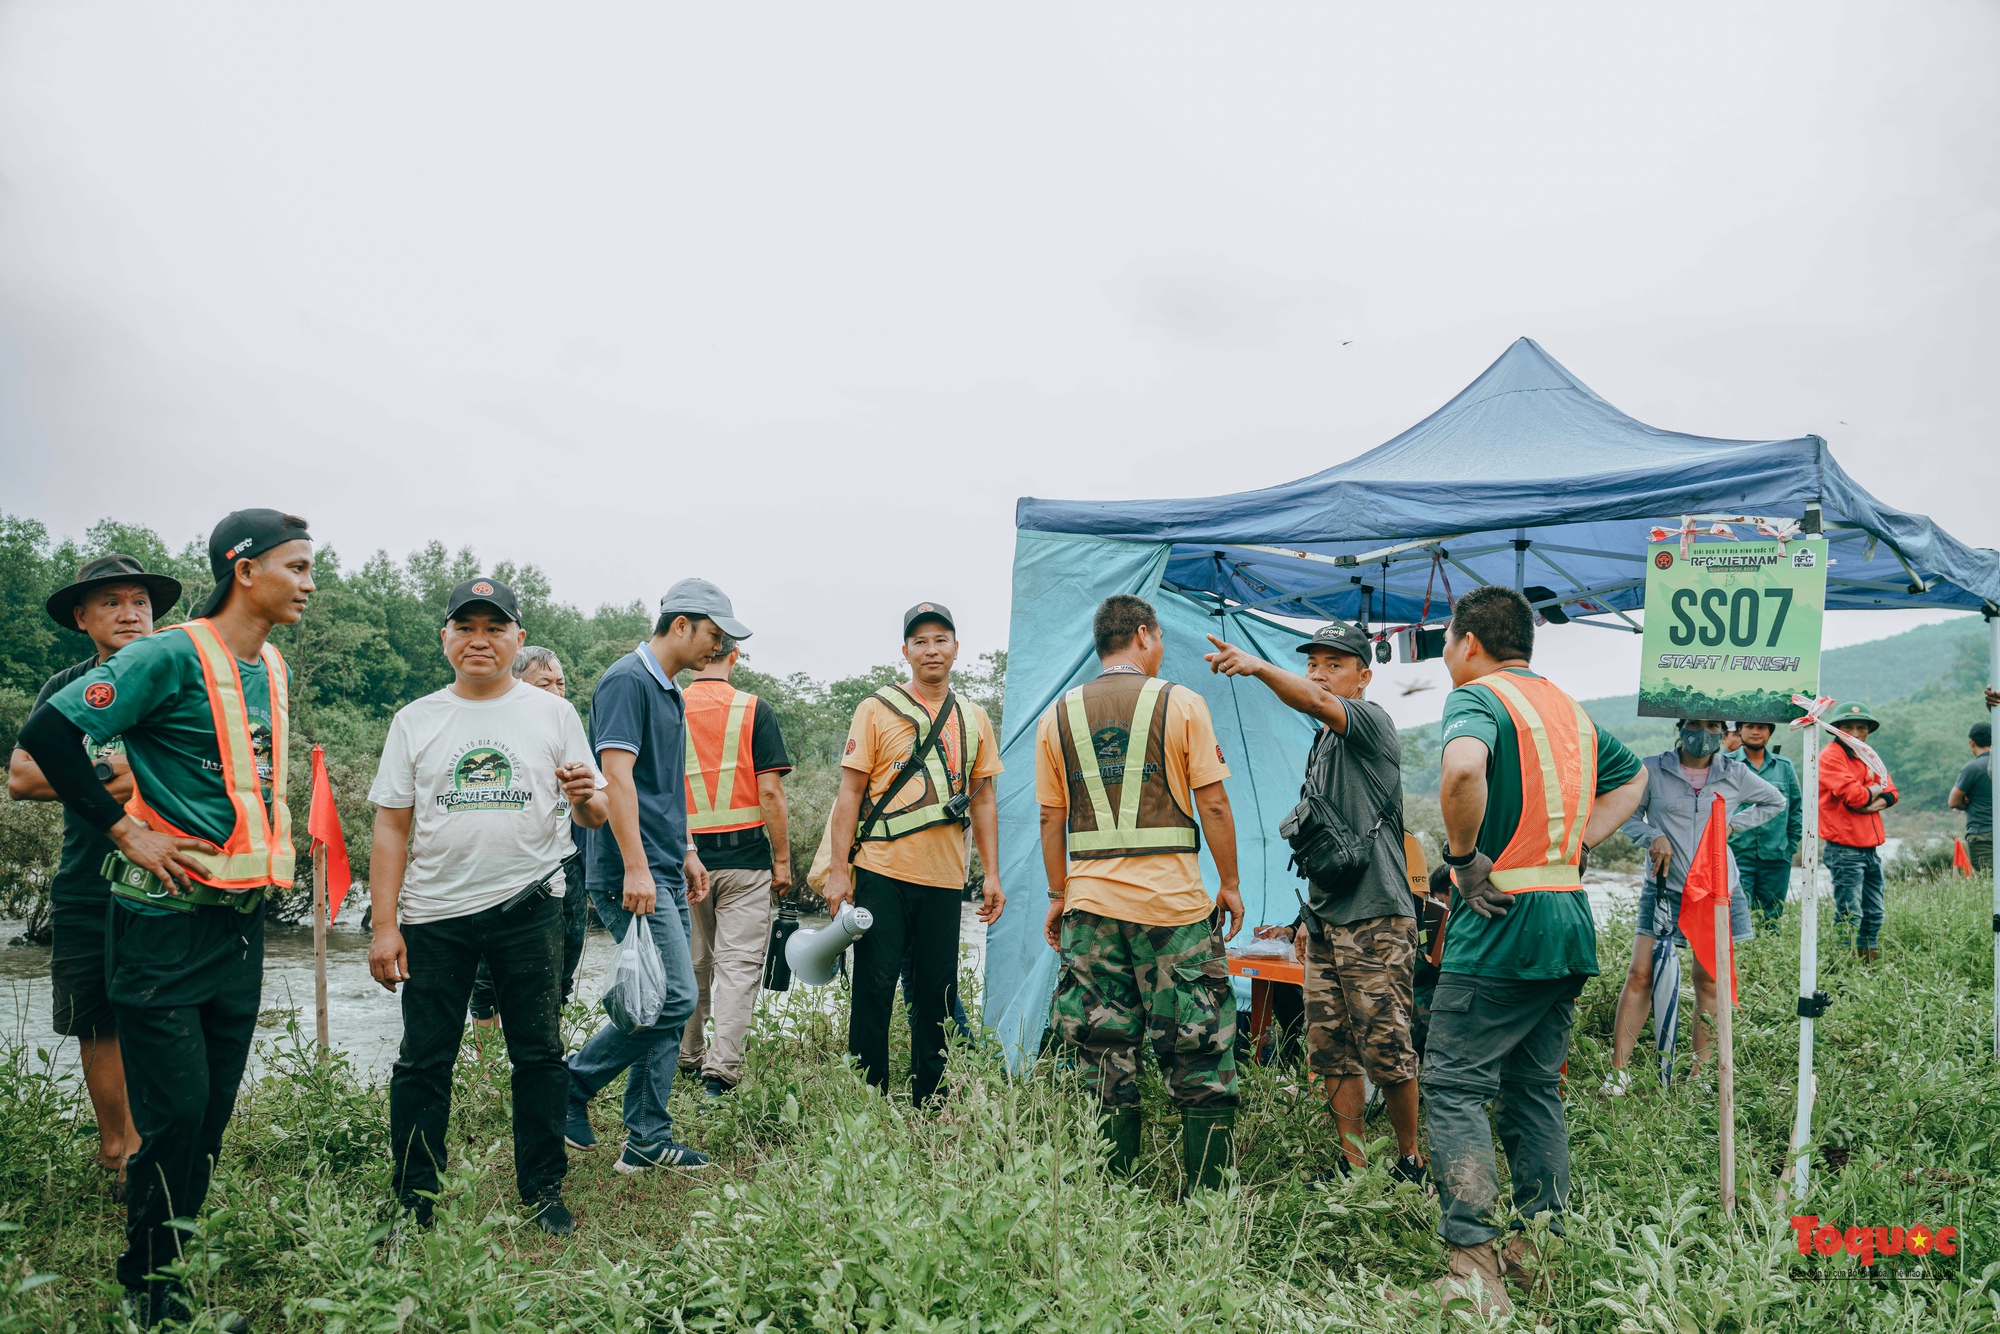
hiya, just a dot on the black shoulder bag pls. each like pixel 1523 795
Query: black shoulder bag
pixel 1325 848
pixel 919 750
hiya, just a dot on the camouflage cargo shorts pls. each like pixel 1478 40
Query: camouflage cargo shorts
pixel 1124 985
pixel 1359 1004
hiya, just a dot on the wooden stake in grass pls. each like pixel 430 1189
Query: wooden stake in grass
pixel 319 948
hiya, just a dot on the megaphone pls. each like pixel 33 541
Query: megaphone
pixel 814 954
pixel 778 969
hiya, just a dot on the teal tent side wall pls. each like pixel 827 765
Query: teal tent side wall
pixel 1058 581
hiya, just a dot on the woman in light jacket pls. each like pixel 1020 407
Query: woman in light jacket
pixel 1680 794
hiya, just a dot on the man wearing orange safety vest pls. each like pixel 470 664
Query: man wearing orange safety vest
pixel 1529 783
pixel 736 767
pixel 202 709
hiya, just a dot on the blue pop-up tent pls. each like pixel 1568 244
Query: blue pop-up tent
pixel 1526 478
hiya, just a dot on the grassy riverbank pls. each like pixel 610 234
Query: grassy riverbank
pixel 831 1211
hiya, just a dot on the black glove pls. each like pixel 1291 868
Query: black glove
pixel 1477 891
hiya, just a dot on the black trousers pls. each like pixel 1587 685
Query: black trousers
pixel 184 988
pixel 525 958
pixel 922 922
pixel 576 916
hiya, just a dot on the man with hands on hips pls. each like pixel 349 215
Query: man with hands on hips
pixel 475 795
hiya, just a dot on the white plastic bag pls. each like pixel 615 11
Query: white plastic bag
pixel 638 987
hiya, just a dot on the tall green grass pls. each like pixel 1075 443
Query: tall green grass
pixel 832 1210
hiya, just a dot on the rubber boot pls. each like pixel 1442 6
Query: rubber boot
pixel 1121 1128
pixel 1207 1136
pixel 1473 1272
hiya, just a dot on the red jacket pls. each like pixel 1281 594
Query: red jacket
pixel 1843 791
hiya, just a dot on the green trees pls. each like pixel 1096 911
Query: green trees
pixel 367 646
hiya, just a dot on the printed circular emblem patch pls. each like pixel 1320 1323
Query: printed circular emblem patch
pixel 850 745
pixel 926 607
pixel 1662 559
pixel 1218 754
pixel 482 588
pixel 100 694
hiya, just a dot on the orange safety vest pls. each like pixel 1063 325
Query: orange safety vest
pixel 1558 747
pixel 721 772
pixel 259 851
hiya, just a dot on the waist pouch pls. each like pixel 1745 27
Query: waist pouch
pixel 527 898
pixel 134 882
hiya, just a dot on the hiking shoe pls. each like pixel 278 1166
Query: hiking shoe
pixel 1342 1170
pixel 1410 1169
pixel 670 1154
pixel 419 1209
pixel 150 1306
pixel 553 1217
pixel 717 1087
pixel 576 1127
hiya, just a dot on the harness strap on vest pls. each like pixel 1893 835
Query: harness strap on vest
pixel 1122 831
pixel 929 810
pixel 1549 861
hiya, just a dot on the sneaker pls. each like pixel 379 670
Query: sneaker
pixel 1617 1084
pixel 150 1306
pixel 670 1154
pixel 576 1127
pixel 1410 1169
pixel 419 1209
pixel 554 1218
pixel 717 1087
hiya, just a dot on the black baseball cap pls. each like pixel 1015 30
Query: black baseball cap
pixel 928 611
pixel 1341 638
pixel 483 592
pixel 243 534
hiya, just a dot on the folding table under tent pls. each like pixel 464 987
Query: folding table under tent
pixel 1526 478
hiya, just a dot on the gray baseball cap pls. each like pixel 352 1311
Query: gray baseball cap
pixel 1341 638
pixel 698 597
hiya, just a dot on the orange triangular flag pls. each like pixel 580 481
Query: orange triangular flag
pixel 1707 884
pixel 1961 860
pixel 323 825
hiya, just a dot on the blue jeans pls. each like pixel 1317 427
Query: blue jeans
pixel 1857 890
pixel 652 1054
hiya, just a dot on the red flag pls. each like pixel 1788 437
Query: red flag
pixel 1707 885
pixel 323 824
pixel 1961 860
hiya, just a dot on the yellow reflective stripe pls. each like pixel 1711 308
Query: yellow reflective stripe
pixel 705 815
pixel 269 852
pixel 278 684
pixel 1086 760
pixel 241 769
pixel 1170 836
pixel 1524 878
pixel 1142 730
pixel 1551 782
pixel 1586 795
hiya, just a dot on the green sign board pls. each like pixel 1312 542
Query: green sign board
pixel 1732 629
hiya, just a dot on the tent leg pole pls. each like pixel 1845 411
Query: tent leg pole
pixel 1800 1169
pixel 1993 677
pixel 1725 1043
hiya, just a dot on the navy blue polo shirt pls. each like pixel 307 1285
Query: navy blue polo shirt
pixel 637 707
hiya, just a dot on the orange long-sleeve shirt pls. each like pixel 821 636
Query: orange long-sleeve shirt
pixel 1843 791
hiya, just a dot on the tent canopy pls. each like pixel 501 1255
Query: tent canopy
pixel 1526 451
pixel 1526 478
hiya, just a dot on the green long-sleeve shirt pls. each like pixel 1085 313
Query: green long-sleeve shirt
pixel 1775 840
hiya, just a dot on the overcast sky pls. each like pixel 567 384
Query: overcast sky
pixel 803 298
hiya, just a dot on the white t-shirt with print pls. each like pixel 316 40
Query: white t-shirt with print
pixel 490 818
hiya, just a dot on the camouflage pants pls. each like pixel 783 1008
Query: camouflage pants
pixel 1123 984
pixel 1358 999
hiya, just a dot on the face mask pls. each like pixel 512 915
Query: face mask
pixel 1697 742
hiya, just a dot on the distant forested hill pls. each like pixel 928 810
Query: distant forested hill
pixel 1923 684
